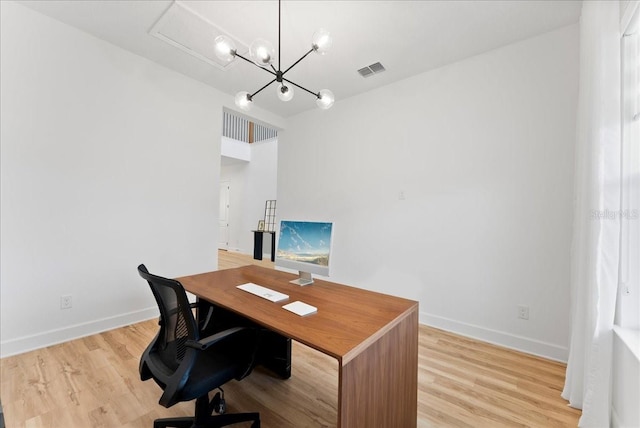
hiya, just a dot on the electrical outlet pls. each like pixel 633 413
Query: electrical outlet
pixel 65 302
pixel 523 312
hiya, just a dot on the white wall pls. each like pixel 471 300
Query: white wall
pixel 483 152
pixel 107 160
pixel 235 149
pixel 252 184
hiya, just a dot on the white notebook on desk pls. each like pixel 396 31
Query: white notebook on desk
pixel 300 308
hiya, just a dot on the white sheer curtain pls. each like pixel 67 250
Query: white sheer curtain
pixel 596 230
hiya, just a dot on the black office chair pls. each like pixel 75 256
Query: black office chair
pixel 187 367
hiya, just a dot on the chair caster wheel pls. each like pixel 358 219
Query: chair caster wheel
pixel 218 403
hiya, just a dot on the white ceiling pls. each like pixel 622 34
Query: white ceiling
pixel 408 37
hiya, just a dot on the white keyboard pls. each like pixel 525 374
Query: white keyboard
pixel 264 292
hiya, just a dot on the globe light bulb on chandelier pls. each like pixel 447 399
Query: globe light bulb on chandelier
pixel 243 100
pixel 262 53
pixel 225 49
pixel 285 92
pixel 325 99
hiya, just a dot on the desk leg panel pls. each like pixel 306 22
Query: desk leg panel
pixel 257 245
pixel 379 387
pixel 273 247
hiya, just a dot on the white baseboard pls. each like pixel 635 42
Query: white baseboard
pixel 237 250
pixel 507 340
pixel 265 256
pixel 53 337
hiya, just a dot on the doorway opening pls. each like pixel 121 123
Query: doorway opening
pixel 248 178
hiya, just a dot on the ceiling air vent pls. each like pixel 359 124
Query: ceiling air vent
pixel 192 33
pixel 372 69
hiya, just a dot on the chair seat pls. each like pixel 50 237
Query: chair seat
pixel 209 371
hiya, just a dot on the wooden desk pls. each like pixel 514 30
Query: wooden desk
pixel 373 336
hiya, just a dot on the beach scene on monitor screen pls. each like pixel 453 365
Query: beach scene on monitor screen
pixel 305 242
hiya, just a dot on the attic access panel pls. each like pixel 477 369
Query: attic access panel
pixel 187 30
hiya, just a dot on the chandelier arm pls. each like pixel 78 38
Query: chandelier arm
pixel 260 90
pixel 304 89
pixel 273 68
pixel 303 57
pixel 251 62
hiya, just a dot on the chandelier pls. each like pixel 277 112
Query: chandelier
pixel 262 56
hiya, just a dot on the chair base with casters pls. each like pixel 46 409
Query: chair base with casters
pixel 204 418
pixel 188 366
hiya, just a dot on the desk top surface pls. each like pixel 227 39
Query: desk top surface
pixel 348 318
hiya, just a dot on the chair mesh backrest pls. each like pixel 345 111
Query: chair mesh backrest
pixel 177 324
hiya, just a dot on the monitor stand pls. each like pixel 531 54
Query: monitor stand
pixel 305 279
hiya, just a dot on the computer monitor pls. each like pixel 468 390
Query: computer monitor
pixel 306 247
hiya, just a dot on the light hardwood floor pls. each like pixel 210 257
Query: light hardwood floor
pixel 94 382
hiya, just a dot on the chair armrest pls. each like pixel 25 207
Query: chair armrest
pixel 206 342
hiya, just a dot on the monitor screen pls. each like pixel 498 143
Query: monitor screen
pixel 305 246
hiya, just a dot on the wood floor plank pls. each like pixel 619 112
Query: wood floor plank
pixel 94 382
